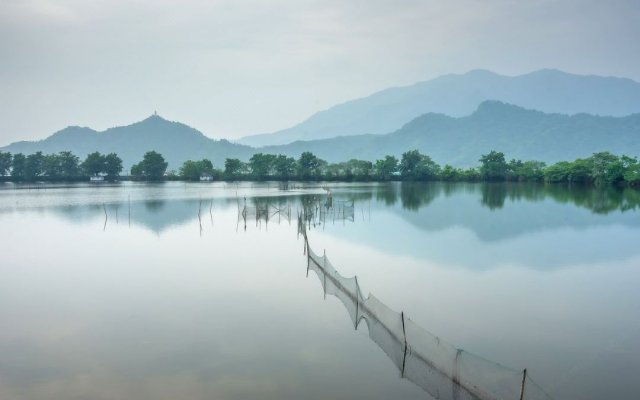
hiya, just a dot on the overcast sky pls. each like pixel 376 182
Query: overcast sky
pixel 231 67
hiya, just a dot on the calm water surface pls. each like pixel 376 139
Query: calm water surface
pixel 161 291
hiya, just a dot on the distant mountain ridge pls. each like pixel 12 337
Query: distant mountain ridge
pixel 548 90
pixel 516 131
pixel 177 142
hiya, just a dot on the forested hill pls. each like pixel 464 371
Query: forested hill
pixel 175 141
pixel 547 90
pixel 518 132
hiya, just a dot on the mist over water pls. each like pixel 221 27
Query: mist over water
pixel 163 291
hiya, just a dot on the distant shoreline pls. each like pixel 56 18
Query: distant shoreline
pixel 121 179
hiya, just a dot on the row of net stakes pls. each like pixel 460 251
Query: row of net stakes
pixel 455 373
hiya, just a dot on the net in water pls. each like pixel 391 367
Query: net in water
pixel 438 367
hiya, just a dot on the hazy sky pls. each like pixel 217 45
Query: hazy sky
pixel 233 67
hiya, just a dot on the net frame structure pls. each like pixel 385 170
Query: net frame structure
pixel 263 211
pixel 437 366
pixel 316 212
pixel 337 210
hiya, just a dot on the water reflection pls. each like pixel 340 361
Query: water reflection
pixel 599 200
pixel 427 207
pixel 494 195
pixel 439 368
pixel 154 302
pixel 497 224
pixel 154 205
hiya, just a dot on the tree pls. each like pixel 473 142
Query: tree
pixel 285 167
pixel 51 166
pixel 61 165
pixel 69 164
pixel 309 166
pixel 152 166
pixel 493 166
pixel 427 169
pixel 193 170
pixel 409 163
pixel 558 172
pixel 385 168
pixel 335 170
pixel 261 165
pixel 232 168
pixel 512 169
pixel 631 175
pixel 136 169
pixel 190 170
pixel 527 171
pixel 471 175
pixel 34 165
pixel 450 174
pixel 605 168
pixel 18 165
pixel 417 166
pixel 112 165
pixel 580 171
pixel 94 164
pixel 360 169
pixel 5 163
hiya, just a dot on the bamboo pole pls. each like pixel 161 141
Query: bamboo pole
pixel 524 378
pixel 324 271
pixel 404 335
pixel 106 217
pixel 357 301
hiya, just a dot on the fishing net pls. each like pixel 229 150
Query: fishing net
pixel 438 367
pixel 385 329
pixel 333 283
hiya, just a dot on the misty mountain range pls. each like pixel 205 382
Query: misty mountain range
pixel 550 91
pixel 518 132
pixel 546 115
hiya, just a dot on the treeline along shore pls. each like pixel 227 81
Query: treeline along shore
pixel 601 168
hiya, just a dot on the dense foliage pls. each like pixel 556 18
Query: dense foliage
pixel 194 170
pixel 152 167
pixel 61 166
pixel 601 168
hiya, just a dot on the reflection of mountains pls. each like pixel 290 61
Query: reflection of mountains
pixel 492 212
pixel 483 226
pixel 155 215
pixel 160 215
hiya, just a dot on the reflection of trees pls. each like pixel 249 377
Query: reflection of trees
pixel 270 202
pixel 630 199
pixel 357 197
pixel 493 195
pixel 599 200
pixel 524 191
pixel 154 205
pixel 160 213
pixel 415 195
pixel 386 194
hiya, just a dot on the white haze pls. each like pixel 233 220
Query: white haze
pixel 232 68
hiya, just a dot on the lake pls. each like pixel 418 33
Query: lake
pixel 170 291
